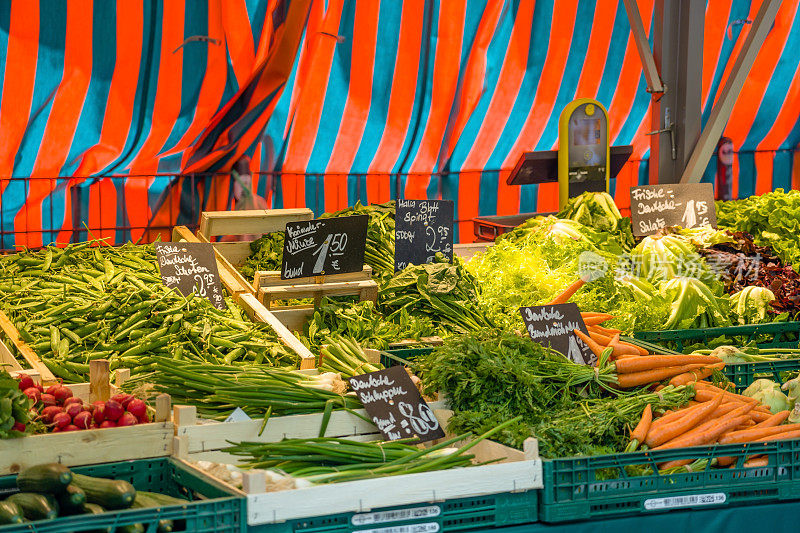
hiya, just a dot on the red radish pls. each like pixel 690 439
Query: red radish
pixel 18 426
pixel 47 399
pixel 52 388
pixel 32 393
pixel 123 399
pixel 143 419
pixel 113 410
pixel 49 412
pixel 127 419
pixel 71 427
pixel 61 394
pixel 73 409
pixel 99 413
pixel 108 424
pixel 56 430
pixel 72 399
pixel 137 408
pixel 25 382
pixel 39 386
pixel 62 420
pixel 83 420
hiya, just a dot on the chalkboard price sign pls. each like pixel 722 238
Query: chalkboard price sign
pixel 688 205
pixel 422 228
pixel 554 325
pixel 190 267
pixel 395 405
pixel 324 246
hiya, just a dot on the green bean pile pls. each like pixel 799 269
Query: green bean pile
pixel 80 303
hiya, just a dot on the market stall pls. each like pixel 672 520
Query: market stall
pixel 570 373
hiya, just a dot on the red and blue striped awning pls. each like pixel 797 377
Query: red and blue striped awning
pixel 104 102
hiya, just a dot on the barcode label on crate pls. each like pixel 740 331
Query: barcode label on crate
pixel 428 527
pixel 689 500
pixel 382 517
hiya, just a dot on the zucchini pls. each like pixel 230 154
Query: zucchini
pixel 71 500
pixel 163 499
pixel 50 478
pixel 10 513
pixel 110 493
pixel 35 506
pixel 93 508
pixel 130 528
pixel 144 501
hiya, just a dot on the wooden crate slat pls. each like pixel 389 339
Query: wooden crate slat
pixel 254 221
pixel 27 352
pixel 316 290
pixel 7 360
pixel 272 278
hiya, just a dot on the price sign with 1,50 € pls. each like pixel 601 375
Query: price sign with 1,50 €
pixel 324 246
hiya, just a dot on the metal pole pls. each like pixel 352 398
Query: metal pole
pixel 721 111
pixel 643 47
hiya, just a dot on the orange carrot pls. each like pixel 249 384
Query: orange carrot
pixel 568 292
pixel 636 379
pixel 775 420
pixel 715 418
pixel 651 362
pixel 595 320
pixel 666 432
pixel 605 330
pixel 592 314
pixel 675 463
pixel 757 461
pixel 759 416
pixel 596 348
pixel 689 377
pixel 786 435
pixel 599 338
pixel 704 434
pixel 643 426
pixel 620 349
pixel 708 395
pixel 753 434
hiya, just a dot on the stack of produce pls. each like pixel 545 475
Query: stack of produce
pixel 48 491
pixel 345 357
pixel 15 406
pixel 76 304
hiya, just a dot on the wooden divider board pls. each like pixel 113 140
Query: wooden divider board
pixel 26 351
pixel 233 283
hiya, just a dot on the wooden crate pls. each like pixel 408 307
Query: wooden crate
pixel 92 446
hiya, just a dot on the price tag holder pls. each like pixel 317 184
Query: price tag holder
pixel 688 205
pixel 554 325
pixel 324 246
pixel 422 228
pixel 395 405
pixel 191 267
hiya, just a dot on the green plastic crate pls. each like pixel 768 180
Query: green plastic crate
pixel 579 488
pixel 743 374
pixel 772 335
pixel 402 356
pixel 214 510
pixel 464 514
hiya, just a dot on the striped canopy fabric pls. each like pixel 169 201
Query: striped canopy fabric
pixel 114 115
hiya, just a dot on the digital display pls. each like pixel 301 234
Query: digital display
pixel 586 132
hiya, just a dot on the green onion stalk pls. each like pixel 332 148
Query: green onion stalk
pixel 346 357
pixel 329 460
pixel 216 390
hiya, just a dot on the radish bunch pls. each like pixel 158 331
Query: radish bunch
pixel 61 411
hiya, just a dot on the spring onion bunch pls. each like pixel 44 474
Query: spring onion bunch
pixel 346 357
pixel 217 390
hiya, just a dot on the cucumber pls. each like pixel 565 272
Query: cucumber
pixel 144 501
pixel 50 478
pixel 110 493
pixel 35 506
pixel 93 508
pixel 10 513
pixel 71 500
pixel 163 499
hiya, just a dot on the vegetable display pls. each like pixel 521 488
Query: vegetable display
pixel 78 303
pixel 15 405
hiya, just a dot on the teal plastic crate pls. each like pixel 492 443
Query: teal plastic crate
pixel 772 335
pixel 214 510
pixel 465 514
pixel 402 356
pixel 743 374
pixel 586 488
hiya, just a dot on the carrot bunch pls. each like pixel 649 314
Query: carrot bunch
pixel 716 416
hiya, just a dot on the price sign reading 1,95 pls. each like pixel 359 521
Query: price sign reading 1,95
pixel 395 405
pixel 190 267
pixel 423 228
pixel 324 246
pixel 687 205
